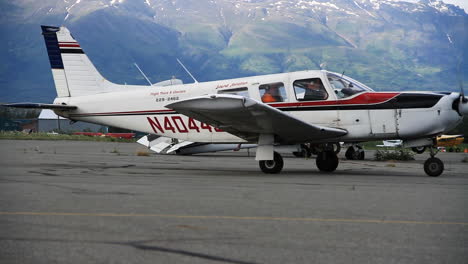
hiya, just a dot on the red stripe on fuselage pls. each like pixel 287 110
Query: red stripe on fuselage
pixel 361 99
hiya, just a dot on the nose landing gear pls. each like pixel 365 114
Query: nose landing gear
pixel 433 166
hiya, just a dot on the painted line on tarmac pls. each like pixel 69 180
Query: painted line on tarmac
pixel 298 219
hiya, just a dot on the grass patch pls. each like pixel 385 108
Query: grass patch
pixel 400 154
pixel 45 136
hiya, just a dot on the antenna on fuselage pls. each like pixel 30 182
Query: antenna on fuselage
pixel 342 74
pixel 181 64
pixel 142 73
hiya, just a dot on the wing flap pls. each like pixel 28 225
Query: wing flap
pixel 248 118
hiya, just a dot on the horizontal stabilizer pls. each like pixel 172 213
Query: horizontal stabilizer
pixel 41 106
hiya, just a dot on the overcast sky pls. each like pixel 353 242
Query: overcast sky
pixel 461 3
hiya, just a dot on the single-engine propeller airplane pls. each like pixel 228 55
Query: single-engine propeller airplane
pixel 318 108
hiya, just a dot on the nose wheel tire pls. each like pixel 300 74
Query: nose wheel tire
pixel 327 161
pixel 272 166
pixel 433 167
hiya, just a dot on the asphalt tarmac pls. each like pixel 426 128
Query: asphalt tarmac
pixel 94 202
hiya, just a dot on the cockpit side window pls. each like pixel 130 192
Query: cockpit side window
pixel 344 88
pixel 310 90
pixel 272 92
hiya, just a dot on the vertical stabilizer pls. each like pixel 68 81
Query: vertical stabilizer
pixel 55 58
pixel 73 72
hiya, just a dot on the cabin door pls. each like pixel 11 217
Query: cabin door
pixel 383 122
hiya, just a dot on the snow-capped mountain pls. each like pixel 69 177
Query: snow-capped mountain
pixel 388 44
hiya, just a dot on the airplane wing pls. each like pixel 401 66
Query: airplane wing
pixel 41 106
pixel 247 118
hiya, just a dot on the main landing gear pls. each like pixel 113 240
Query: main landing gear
pixel 354 152
pixel 272 166
pixel 433 166
pixel 326 161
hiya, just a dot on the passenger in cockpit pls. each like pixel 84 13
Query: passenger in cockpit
pixel 272 95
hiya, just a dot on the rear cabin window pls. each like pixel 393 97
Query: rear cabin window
pixel 310 90
pixel 272 92
pixel 242 91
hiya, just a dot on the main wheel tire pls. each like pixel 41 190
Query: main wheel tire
pixel 361 155
pixel 419 150
pixel 433 167
pixel 272 166
pixel 349 154
pixel 326 161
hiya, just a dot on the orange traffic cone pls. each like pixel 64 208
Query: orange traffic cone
pixel 466 150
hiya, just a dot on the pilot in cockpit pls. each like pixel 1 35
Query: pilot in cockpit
pixel 315 90
pixel 272 94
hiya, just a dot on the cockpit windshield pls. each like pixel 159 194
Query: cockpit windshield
pixel 345 86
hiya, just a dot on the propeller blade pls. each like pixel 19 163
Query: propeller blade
pixel 463 99
pixel 463 106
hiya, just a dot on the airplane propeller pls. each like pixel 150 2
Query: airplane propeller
pixel 463 104
pixel 463 101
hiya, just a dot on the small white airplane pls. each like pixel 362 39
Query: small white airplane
pixel 314 108
pixel 398 143
pixel 393 143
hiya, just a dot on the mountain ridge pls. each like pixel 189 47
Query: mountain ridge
pixel 376 42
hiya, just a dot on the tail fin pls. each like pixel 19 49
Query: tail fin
pixel 73 72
